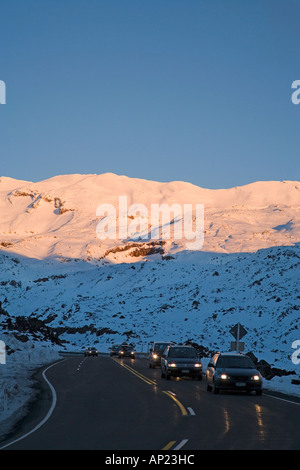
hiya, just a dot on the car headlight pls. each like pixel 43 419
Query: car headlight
pixel 172 364
pixel 255 377
pixel 121 352
pixel 155 356
pixel 224 376
pixel 197 365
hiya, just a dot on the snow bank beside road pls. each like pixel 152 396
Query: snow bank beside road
pixel 16 383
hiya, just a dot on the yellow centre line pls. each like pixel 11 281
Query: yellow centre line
pixel 182 408
pixel 152 382
pixel 135 372
pixel 169 445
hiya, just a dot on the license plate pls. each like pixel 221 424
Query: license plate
pixel 240 384
pixel 184 371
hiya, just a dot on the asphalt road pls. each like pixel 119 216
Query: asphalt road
pixel 103 403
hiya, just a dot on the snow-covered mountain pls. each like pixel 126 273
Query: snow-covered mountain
pixel 62 288
pixel 58 217
pixel 54 267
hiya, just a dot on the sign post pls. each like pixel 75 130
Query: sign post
pixel 238 332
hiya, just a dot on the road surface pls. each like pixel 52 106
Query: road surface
pixel 104 403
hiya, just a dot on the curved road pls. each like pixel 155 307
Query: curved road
pixel 106 404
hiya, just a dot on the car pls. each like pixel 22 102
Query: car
pixel 91 352
pixel 114 350
pixel 155 352
pixel 180 361
pixel 233 371
pixel 126 350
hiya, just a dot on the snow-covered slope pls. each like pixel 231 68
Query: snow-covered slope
pixel 197 297
pixel 58 217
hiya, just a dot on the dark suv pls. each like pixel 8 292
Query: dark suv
pixel 126 350
pixel 179 361
pixel 155 352
pixel 114 350
pixel 233 371
pixel 91 352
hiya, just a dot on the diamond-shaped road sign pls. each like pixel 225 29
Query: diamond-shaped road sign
pixel 238 331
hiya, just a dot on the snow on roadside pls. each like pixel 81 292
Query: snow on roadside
pixel 16 383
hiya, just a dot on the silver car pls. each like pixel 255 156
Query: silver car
pixel 155 352
pixel 233 371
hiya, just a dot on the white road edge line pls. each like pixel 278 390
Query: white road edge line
pixel 191 411
pixel 181 444
pixel 281 399
pixel 53 404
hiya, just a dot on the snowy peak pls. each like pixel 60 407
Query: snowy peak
pixel 58 217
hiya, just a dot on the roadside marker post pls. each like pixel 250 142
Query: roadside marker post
pixel 238 332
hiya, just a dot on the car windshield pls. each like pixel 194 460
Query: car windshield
pixel 182 352
pixel 159 347
pixel 242 362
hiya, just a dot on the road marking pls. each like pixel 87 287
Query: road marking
pixel 182 408
pixel 169 445
pixel 135 372
pixel 282 399
pixel 53 404
pixel 152 382
pixel 191 411
pixel 181 444
pixel 80 364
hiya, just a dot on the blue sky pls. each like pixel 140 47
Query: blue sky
pixel 189 90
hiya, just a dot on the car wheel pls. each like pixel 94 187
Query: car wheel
pixel 162 375
pixel 215 390
pixel 258 392
pixel 199 377
pixel 208 387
